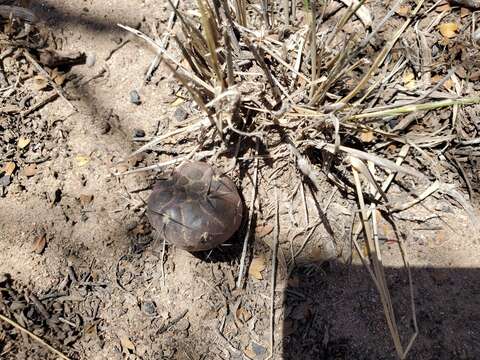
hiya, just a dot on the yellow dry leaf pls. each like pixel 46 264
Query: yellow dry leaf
pixel 127 345
pixel 59 79
pixel 409 80
pixel 367 136
pixel 448 84
pixel 448 30
pixel 23 142
pixel 250 353
pixel 404 10
pixel 177 102
pixel 9 168
pixel 436 78
pixel 82 160
pixel 39 82
pixel 256 267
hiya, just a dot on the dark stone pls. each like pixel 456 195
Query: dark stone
pixel 180 114
pixel 135 97
pixel 138 133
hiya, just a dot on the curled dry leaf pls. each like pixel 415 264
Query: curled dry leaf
pixel 409 80
pixel 256 267
pixel 250 353
pixel 82 160
pixel 448 84
pixel 127 345
pixel 39 243
pixel 9 168
pixel 23 142
pixel 39 83
pixel 448 30
pixel 404 10
pixel 243 314
pixel 367 136
pixel 58 77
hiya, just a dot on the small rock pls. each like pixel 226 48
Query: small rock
pixel 182 325
pixel 29 170
pixel 180 114
pixel 138 133
pixel 5 180
pixel 55 196
pixel 148 307
pixel 91 59
pixel 259 350
pixel 135 97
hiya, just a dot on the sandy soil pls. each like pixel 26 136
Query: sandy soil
pixel 101 269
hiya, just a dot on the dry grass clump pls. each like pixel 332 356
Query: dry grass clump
pixel 347 97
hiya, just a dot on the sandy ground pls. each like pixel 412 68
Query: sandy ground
pixel 130 306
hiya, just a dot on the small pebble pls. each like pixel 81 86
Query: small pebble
pixel 138 133
pixel 91 59
pixel 149 308
pixel 259 350
pixel 180 114
pixel 5 180
pixel 135 97
pixel 182 325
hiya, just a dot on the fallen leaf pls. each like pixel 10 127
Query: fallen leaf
pixel 404 10
pixel 82 160
pixel 243 314
pixel 448 30
pixel 85 199
pixel 39 82
pixel 464 12
pixel 177 102
pixel 409 80
pixel 444 7
pixel 261 231
pixel 127 345
pixel 448 84
pixel 250 353
pixel 91 329
pixel 367 136
pixel 23 142
pixel 39 243
pixel 9 168
pixel 256 267
pixel 29 170
pixel 58 77
pixel 436 78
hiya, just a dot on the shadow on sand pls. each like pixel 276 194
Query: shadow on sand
pixel 334 312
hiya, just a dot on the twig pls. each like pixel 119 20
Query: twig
pixel 274 271
pixel 44 73
pixel 162 259
pixel 250 217
pixel 33 336
pixel 163 44
pixel 40 104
